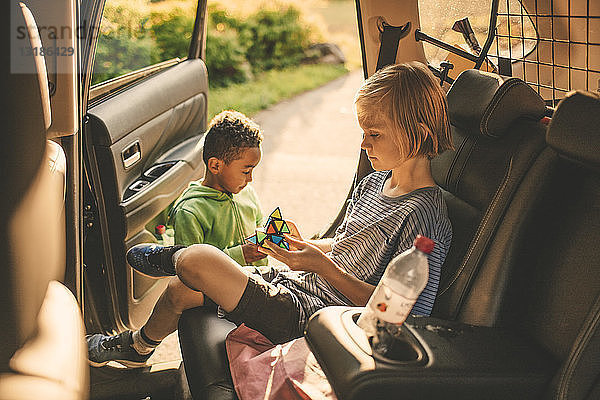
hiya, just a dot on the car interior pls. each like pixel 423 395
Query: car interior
pixel 88 171
pixel 38 360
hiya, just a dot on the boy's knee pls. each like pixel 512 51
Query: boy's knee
pixel 197 255
pixel 180 297
pixel 195 258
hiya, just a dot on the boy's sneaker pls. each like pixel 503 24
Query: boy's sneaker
pixel 102 349
pixel 152 259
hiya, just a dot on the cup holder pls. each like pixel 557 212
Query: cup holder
pixel 399 349
pixel 402 349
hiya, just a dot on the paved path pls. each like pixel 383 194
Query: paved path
pixel 310 154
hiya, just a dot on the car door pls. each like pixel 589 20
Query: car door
pixel 142 146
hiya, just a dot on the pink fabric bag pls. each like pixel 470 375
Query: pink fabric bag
pixel 262 370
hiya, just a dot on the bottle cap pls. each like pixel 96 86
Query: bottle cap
pixel 424 244
pixel 160 229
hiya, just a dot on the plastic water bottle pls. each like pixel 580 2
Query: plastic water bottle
pixel 166 235
pixel 401 284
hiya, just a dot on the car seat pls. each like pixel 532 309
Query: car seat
pixel 553 294
pixel 497 135
pixel 43 352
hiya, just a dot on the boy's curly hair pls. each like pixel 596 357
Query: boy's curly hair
pixel 228 134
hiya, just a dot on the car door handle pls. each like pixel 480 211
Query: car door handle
pixel 131 155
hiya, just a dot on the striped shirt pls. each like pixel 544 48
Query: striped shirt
pixel 375 229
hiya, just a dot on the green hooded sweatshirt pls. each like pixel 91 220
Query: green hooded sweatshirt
pixel 206 215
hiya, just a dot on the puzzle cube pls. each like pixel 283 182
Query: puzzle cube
pixel 273 231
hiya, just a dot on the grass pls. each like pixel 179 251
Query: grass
pixel 271 87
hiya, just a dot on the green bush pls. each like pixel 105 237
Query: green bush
pixel 235 47
pixel 220 19
pixel 118 53
pixel 124 46
pixel 225 59
pixel 274 39
pixel 172 34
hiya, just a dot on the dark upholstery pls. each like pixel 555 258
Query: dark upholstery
pixel 541 274
pixel 576 115
pixel 555 296
pixel 482 103
pixel 202 339
pixel 497 136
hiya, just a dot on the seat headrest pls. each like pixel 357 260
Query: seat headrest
pixel 481 103
pixel 574 131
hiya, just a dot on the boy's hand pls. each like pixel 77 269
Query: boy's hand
pixel 251 253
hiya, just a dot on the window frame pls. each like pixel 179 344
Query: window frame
pixel 101 90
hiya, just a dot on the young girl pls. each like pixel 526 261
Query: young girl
pixel 403 113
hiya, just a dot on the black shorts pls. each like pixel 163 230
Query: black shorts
pixel 271 309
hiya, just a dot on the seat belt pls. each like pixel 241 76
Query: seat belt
pixel 389 37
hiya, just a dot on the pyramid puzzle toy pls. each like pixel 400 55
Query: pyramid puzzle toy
pixel 272 231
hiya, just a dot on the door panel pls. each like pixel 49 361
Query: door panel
pixel 144 148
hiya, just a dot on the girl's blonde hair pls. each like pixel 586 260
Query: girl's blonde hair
pixel 413 105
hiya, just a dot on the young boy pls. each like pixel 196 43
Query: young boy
pixel 403 113
pixel 221 209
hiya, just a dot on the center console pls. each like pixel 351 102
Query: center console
pixel 433 359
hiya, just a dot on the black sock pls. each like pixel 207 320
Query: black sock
pixel 147 339
pixel 164 259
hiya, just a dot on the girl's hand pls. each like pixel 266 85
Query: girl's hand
pixel 302 256
pixel 305 256
pixel 294 232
